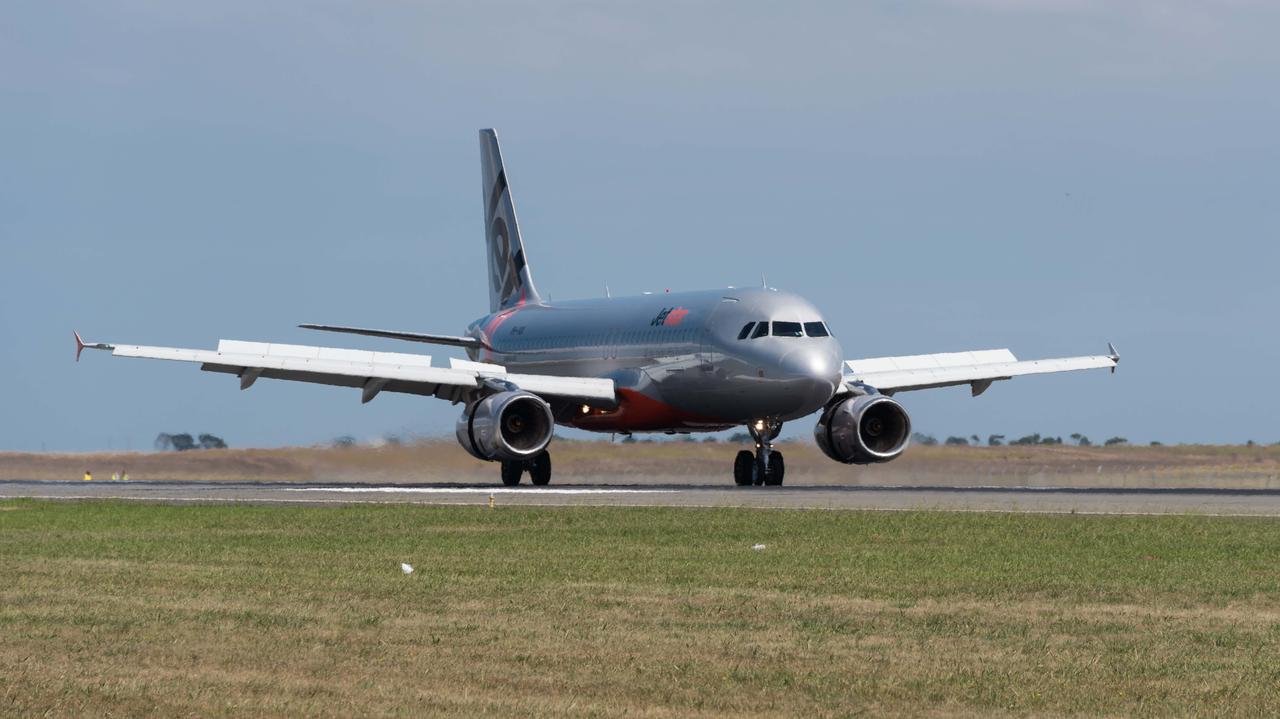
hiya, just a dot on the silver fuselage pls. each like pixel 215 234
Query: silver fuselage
pixel 675 358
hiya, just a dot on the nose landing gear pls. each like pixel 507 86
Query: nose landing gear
pixel 766 465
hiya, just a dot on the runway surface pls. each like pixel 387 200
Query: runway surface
pixel 1254 502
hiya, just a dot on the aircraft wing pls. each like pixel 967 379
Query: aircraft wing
pixel 977 369
pixel 371 372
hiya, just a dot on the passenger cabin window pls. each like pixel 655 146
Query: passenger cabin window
pixel 816 329
pixel 746 330
pixel 762 329
pixel 787 329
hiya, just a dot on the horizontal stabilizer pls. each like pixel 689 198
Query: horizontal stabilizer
pixel 449 340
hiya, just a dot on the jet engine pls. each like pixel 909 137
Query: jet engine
pixel 863 430
pixel 513 425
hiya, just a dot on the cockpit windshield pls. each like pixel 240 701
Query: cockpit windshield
pixel 755 330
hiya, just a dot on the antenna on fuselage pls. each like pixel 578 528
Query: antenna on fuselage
pixel 764 284
pixel 606 291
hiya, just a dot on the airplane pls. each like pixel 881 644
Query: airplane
pixel 673 362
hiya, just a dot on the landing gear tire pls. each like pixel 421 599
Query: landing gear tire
pixel 764 466
pixel 540 469
pixel 773 477
pixel 743 468
pixel 511 472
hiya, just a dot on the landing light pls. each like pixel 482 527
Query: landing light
pixel 586 409
pixel 760 425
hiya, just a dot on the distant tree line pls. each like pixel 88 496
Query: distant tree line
pixel 182 442
pixel 998 440
pixel 390 439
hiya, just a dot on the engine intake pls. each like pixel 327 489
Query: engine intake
pixel 863 430
pixel 508 426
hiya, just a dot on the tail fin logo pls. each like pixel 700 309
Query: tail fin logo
pixel 510 283
pixel 504 265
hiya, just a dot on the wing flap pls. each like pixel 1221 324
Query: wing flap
pixel 979 369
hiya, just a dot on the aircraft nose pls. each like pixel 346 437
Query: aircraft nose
pixel 819 368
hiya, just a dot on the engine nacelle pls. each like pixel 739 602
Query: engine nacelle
pixel 863 430
pixel 511 425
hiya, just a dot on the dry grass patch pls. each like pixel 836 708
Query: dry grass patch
pixel 684 463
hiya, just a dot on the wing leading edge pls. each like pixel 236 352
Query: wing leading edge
pixel 371 372
pixel 977 369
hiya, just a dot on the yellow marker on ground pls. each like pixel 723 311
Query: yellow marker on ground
pixel 491 501
pixel 88 476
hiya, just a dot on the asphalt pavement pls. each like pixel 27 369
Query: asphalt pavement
pixel 1254 502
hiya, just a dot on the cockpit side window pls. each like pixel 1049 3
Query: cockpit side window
pixel 762 329
pixel 787 329
pixel 816 329
pixel 746 330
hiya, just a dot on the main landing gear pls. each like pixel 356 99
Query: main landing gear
pixel 764 466
pixel 539 469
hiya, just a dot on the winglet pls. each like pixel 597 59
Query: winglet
pixel 1114 355
pixel 81 345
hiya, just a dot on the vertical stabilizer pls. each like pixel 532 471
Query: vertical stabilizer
pixel 510 282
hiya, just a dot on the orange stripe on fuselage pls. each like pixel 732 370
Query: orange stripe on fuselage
pixel 637 412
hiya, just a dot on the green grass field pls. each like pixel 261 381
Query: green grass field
pixel 131 609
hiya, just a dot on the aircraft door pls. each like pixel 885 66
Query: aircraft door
pixel 708 352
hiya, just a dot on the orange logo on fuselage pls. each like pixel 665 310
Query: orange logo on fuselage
pixel 669 316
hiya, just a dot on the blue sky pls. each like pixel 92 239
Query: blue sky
pixel 936 175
